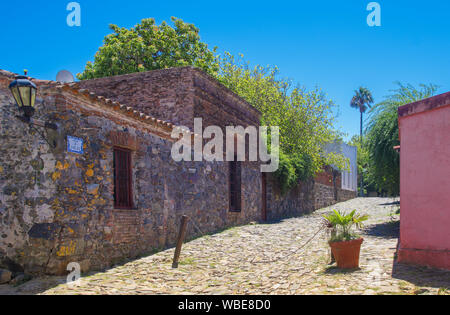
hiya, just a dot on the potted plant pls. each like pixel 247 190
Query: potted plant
pixel 345 244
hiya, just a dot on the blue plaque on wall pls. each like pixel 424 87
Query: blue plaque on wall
pixel 75 145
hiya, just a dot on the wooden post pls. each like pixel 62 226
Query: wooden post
pixel 181 236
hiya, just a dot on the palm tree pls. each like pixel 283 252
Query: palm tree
pixel 362 100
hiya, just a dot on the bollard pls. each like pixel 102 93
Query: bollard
pixel 181 236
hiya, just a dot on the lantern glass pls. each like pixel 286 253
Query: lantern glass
pixel 33 97
pixel 25 95
pixel 15 92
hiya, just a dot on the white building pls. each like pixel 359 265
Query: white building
pixel 349 178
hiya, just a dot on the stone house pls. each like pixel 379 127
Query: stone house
pixel 121 195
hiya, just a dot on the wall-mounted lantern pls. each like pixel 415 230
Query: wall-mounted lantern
pixel 24 92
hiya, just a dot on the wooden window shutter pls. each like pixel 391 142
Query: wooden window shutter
pixel 123 196
pixel 235 173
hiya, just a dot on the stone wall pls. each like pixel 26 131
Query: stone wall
pixel 344 195
pixel 324 195
pixel 297 201
pixel 306 197
pixel 57 207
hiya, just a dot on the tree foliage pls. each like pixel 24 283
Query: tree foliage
pixel 148 46
pixel 382 135
pixel 362 99
pixel 363 163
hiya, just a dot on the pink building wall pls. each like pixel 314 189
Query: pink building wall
pixel 425 182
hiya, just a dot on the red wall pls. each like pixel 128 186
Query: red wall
pixel 425 187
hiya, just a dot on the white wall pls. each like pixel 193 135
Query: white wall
pixel 349 178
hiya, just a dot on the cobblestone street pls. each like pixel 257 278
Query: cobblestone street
pixel 266 259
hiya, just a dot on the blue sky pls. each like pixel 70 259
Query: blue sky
pixel 316 43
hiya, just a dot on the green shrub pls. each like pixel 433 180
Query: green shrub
pixel 293 169
pixel 303 166
pixel 286 175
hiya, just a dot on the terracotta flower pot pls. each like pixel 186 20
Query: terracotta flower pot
pixel 347 253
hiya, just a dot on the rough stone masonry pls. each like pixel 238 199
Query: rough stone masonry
pixel 57 207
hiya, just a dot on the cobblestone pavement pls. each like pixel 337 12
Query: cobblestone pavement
pixel 267 259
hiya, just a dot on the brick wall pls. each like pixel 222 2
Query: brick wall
pixel 220 107
pixel 166 94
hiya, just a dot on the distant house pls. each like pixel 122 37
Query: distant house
pixel 425 182
pixel 349 178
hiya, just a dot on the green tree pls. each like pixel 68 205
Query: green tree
pixel 148 46
pixel 362 100
pixel 382 135
pixel 363 162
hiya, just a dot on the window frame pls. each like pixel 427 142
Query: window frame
pixel 235 186
pixel 117 185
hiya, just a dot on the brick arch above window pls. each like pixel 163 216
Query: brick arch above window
pixel 123 139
